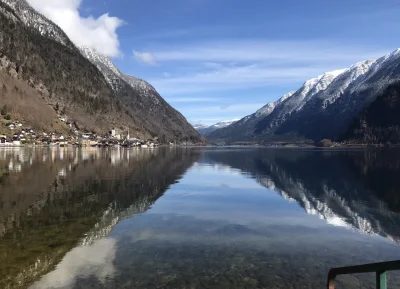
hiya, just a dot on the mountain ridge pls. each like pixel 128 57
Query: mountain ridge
pixel 323 107
pixel 161 118
pixel 32 18
pixel 204 129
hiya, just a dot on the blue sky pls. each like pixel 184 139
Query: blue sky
pixel 217 60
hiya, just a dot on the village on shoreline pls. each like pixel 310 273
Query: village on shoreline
pixel 20 135
pixel 25 136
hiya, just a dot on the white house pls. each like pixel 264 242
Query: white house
pixel 116 133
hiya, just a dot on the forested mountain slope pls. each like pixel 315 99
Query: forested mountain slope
pixel 40 65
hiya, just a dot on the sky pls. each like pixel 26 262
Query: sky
pixel 216 60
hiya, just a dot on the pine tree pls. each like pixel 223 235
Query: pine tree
pixel 4 110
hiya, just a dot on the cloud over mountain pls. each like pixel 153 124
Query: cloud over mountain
pixel 99 33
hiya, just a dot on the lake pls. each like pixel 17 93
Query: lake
pixel 196 217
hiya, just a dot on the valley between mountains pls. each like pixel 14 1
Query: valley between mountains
pixel 50 86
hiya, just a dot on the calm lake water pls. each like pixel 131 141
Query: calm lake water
pixel 195 218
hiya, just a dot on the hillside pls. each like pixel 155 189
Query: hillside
pixel 55 73
pixel 380 121
pixel 242 130
pixel 43 74
pixel 148 109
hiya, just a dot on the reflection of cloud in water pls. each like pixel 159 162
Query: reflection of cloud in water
pixel 225 186
pixel 217 167
pixel 172 231
pixel 94 260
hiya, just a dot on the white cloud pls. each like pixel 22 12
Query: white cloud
pixel 144 57
pixel 192 99
pixel 228 78
pixel 98 33
pixel 240 50
pixel 234 108
pixel 213 114
pixel 94 260
pixel 245 64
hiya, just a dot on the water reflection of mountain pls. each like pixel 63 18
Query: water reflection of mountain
pixel 58 199
pixel 357 189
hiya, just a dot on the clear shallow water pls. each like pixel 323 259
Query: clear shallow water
pixel 195 218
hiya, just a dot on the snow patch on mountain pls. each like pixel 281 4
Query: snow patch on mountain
pixel 113 74
pixel 33 19
pixel 341 92
pixel 142 87
pixel 110 72
pixel 200 126
pixel 296 101
pixel 269 107
pixel 206 129
pixel 311 88
pixel 351 75
pixel 100 60
pixel 224 123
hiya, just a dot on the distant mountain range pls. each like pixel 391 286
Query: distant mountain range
pixel 41 70
pixel 324 107
pixel 205 129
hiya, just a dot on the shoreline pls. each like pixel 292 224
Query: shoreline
pixel 288 146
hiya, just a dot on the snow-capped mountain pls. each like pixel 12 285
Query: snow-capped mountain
pixel 224 123
pixel 269 107
pixel 309 89
pixel 284 106
pixel 331 112
pixel 354 73
pixel 103 63
pixel 322 108
pixel 31 18
pixel 200 126
pixel 113 74
pixel 245 125
pixel 206 129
